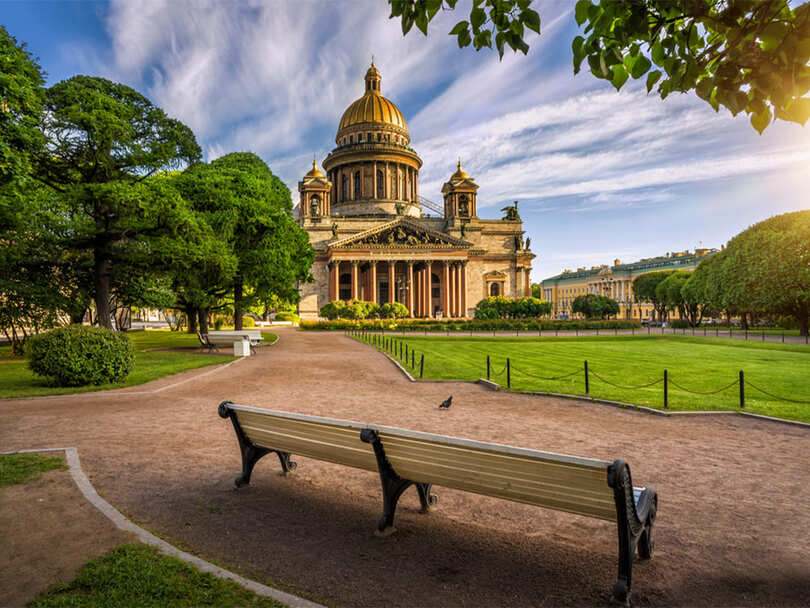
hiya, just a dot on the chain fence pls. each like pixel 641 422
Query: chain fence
pixel 405 353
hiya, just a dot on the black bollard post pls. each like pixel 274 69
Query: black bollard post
pixel 422 366
pixel 783 337
pixel 587 386
pixel 666 387
pixel 487 367
pixel 742 390
pixel 406 353
pixel 508 374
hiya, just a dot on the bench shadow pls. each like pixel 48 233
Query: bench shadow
pixel 297 533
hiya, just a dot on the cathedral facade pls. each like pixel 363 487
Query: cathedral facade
pixel 374 239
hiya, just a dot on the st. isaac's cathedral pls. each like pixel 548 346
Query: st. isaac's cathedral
pixel 373 239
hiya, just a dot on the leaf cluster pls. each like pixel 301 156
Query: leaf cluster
pixel 499 22
pixel 748 56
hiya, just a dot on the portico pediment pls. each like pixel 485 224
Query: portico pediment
pixel 401 233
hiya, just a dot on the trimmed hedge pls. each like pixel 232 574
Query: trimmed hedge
pixel 77 355
pixel 287 316
pixel 470 325
pixel 499 307
pixel 358 309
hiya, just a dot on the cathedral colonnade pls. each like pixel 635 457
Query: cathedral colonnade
pixel 427 288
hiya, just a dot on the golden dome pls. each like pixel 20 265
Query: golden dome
pixel 459 174
pixel 314 172
pixel 372 107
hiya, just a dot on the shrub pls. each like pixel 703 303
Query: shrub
pixel 499 307
pixel 218 323
pixel 353 309
pixel 397 310
pixel 288 316
pixel 76 356
pixel 248 322
pixel 679 324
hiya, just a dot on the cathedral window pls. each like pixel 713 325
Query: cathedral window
pixel 351 139
pixel 368 137
pixel 359 138
pixel 380 184
pixel 344 188
pixel 379 136
pixel 463 206
pixel 394 193
pixel 356 185
pixel 494 289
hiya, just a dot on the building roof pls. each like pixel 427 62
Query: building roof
pixel 372 107
pixel 665 262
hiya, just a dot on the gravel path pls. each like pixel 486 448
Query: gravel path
pixel 732 526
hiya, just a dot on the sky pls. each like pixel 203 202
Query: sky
pixel 599 175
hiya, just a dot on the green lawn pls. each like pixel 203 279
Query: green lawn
pixel 694 363
pixel 17 468
pixel 137 575
pixel 151 363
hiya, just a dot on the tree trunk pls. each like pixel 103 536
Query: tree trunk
pixel 191 318
pixel 101 270
pixel 202 313
pixel 744 320
pixel 802 320
pixel 237 302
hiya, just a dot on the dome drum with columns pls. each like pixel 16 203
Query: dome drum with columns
pixel 372 240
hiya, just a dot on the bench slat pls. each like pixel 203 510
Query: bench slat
pixel 495 462
pixel 340 445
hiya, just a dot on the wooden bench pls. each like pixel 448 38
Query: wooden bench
pixel 592 488
pixel 254 336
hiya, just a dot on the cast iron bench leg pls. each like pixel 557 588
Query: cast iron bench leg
pixel 635 526
pixel 393 485
pixel 251 454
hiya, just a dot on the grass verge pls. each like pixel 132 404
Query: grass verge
pixel 618 365
pixel 18 468
pixel 137 575
pixel 159 353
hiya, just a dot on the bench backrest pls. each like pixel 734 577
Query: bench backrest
pixel 253 334
pixel 555 481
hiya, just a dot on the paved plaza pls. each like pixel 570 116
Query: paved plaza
pixel 733 493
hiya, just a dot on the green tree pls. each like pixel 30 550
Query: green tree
pixel 669 291
pixel 21 96
pixel 644 290
pixel 695 294
pixel 537 291
pixel 595 306
pixel 766 268
pixel 745 55
pixel 104 141
pixel 250 210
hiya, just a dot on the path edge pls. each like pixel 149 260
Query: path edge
pixel 146 537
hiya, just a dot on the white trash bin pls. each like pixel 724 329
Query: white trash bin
pixel 241 348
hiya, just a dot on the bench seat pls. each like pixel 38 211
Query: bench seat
pixel 582 486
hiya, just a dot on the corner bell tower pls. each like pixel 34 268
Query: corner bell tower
pixel 460 194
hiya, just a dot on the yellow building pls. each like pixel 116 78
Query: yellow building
pixel 615 282
pixel 377 239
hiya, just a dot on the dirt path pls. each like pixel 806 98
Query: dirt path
pixel 732 527
pixel 49 530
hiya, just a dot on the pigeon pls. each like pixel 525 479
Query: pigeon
pixel 446 403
